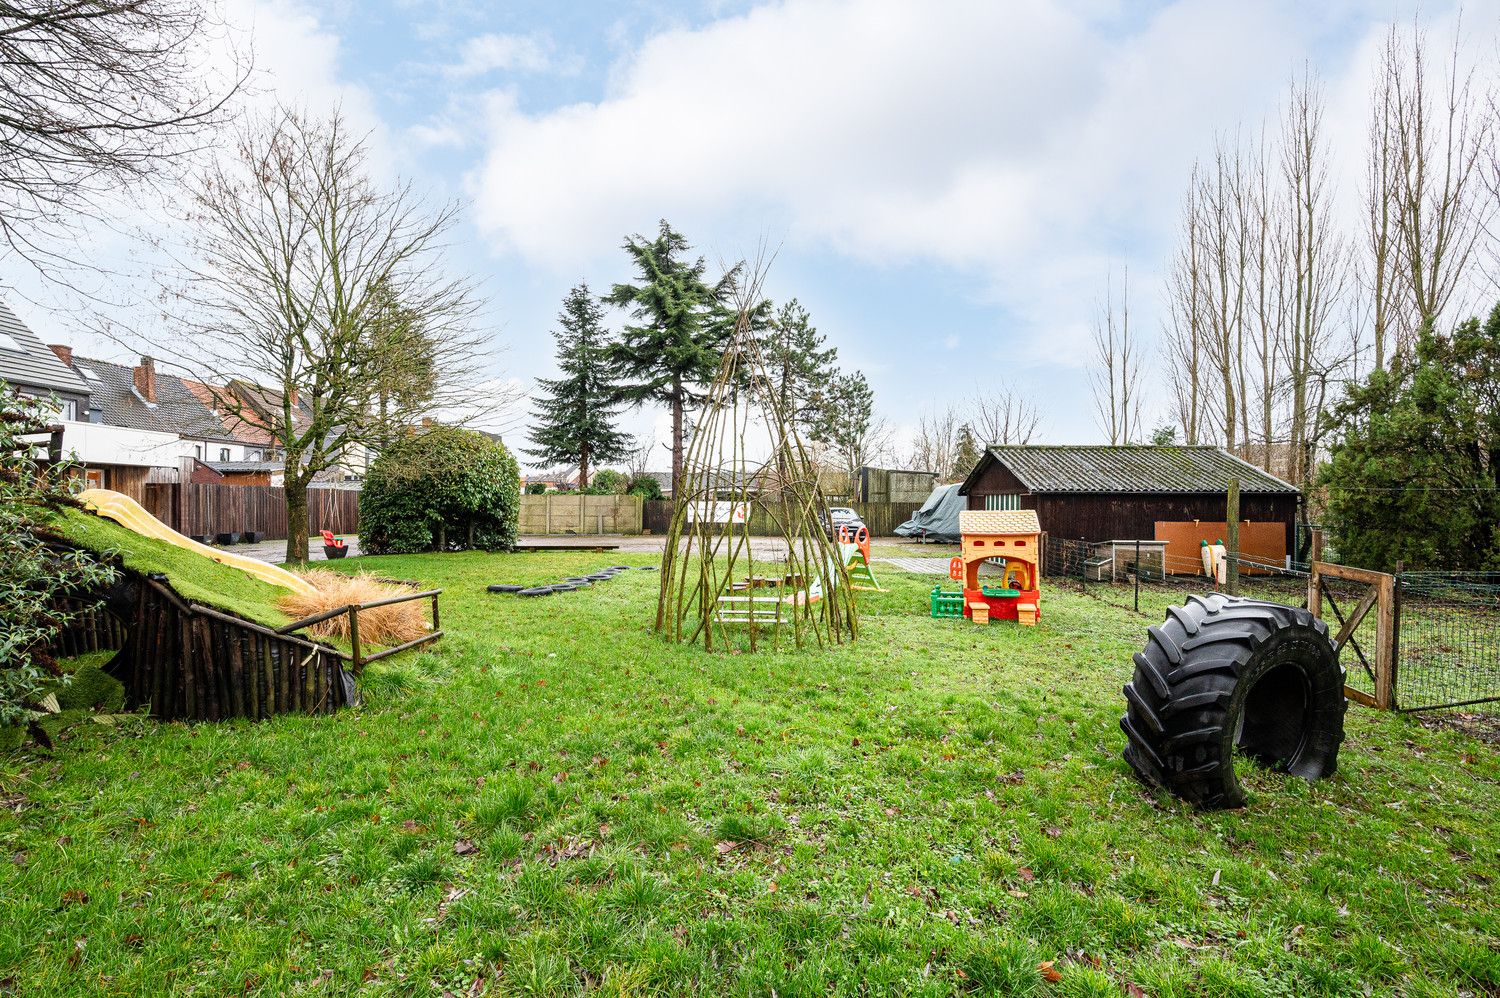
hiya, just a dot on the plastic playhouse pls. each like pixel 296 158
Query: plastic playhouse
pixel 1012 537
pixel 854 549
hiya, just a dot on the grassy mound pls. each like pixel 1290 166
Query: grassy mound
pixel 196 578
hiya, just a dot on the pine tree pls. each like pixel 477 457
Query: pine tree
pixel 965 452
pixel 1414 475
pixel 673 353
pixel 799 365
pixel 576 421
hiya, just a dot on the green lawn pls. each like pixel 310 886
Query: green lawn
pixel 555 802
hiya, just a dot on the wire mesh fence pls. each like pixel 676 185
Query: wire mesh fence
pixel 1449 653
pixel 1448 644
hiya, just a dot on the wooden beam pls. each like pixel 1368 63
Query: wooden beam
pixel 1356 615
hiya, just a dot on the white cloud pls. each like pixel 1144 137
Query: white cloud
pixel 489 53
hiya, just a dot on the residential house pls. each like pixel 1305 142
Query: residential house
pixel 125 425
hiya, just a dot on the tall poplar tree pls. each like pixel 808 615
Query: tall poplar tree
pixel 672 352
pixel 577 412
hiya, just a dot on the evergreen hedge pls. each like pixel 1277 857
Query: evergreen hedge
pixel 443 489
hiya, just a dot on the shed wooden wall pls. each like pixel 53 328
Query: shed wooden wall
pixel 1110 516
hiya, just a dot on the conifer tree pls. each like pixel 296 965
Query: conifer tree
pixel 673 352
pixel 577 412
pixel 965 452
pixel 799 365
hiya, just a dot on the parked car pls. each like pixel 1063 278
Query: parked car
pixel 841 516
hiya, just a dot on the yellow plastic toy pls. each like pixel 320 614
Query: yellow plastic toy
pixel 133 516
pixel 1014 536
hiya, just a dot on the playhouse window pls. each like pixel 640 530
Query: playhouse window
pixel 1019 543
pixel 979 544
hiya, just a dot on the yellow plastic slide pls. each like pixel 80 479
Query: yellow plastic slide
pixel 133 516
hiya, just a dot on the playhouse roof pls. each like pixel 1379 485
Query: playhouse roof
pixel 999 521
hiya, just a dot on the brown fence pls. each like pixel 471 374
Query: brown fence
pixel 208 510
pixel 881 517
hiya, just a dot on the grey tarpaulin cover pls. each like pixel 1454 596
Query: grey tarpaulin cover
pixel 937 520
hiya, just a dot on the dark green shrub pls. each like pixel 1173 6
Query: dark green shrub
pixel 645 486
pixel 607 482
pixel 445 488
pixel 32 575
pixel 536 489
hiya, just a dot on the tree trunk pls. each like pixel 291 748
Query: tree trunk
pixel 583 468
pixel 676 436
pixel 295 489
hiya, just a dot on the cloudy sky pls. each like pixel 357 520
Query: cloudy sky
pixel 949 183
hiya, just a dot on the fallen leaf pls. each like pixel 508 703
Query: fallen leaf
pixel 1134 990
pixel 1025 874
pixel 464 847
pixel 1049 973
pixel 1053 831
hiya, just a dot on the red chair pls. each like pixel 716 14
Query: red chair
pixel 329 540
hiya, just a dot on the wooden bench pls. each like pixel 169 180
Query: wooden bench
pixel 980 611
pixel 1026 614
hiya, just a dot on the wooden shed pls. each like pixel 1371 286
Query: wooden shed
pixel 1104 493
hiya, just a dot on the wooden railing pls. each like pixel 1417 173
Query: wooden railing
pixel 355 655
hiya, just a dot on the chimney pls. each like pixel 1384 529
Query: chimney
pixel 64 354
pixel 145 379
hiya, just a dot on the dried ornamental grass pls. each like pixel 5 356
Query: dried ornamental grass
pixel 383 625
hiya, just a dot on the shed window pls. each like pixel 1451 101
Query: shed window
pixel 1008 501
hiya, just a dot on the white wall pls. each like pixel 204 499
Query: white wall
pixel 96 443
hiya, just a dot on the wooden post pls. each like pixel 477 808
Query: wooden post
pixel 1385 641
pixel 1232 539
pixel 354 639
pixel 1314 590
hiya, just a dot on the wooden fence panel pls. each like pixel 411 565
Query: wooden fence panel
pixel 208 510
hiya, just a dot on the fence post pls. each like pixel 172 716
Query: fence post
pixel 1137 575
pixel 1396 635
pixel 354 639
pixel 1232 536
pixel 1385 658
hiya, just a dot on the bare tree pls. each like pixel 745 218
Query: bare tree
pixel 1117 363
pixel 1269 269
pixel 96 99
pixel 1223 201
pixel 1381 266
pixel 1319 268
pixel 1183 339
pixel 1437 140
pixel 1003 415
pixel 285 310
pixel 934 443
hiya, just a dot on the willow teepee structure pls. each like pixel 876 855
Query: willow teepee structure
pixel 746 464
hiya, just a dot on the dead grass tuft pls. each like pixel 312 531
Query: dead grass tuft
pixel 385 625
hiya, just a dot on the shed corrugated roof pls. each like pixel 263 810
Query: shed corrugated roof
pixel 1131 468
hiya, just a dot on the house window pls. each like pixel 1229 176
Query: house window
pixel 7 342
pixel 1003 502
pixel 198 451
pixel 223 453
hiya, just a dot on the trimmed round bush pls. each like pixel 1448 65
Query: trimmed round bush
pixel 442 489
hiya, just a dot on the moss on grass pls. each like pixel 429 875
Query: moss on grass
pixel 196 578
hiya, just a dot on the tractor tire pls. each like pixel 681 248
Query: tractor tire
pixel 1224 673
pixel 536 591
pixel 506 589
